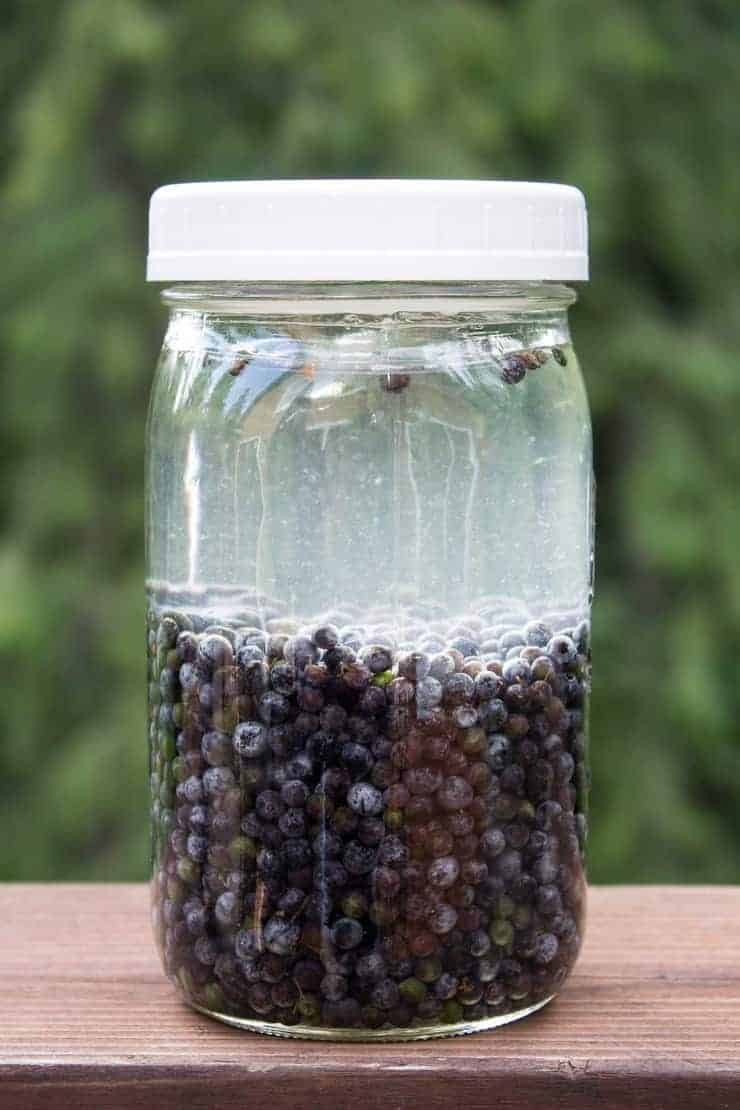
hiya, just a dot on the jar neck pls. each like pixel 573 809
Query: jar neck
pixel 495 300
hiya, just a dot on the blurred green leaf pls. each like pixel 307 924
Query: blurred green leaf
pixel 635 103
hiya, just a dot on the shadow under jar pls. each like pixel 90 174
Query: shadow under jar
pixel 370 569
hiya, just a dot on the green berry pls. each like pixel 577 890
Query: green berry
pixel 175 890
pixel 167 794
pixel 412 990
pixel 452 1012
pixel 428 969
pixel 185 980
pixel 188 870
pixel 213 997
pixel 372 1017
pixel 167 747
pixel 308 1006
pixel 521 917
pixel 242 848
pixel 354 905
pixel 506 906
pixel 501 932
pixel 179 769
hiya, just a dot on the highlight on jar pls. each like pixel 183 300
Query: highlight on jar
pixel 370 571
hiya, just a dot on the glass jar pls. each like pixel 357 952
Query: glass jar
pixel 370 537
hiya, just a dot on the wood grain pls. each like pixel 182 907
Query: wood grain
pixel 650 1020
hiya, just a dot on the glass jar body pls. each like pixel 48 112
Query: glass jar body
pixel 369 536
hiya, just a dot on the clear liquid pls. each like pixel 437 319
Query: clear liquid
pixel 335 491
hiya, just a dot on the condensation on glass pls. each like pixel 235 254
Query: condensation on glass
pixel 370 570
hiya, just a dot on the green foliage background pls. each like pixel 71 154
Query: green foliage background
pixel 634 102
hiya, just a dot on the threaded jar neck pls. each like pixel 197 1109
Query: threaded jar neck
pixel 502 300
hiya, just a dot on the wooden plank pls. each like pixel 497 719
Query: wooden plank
pixel 649 1020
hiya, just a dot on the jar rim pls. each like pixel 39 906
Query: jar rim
pixel 369 299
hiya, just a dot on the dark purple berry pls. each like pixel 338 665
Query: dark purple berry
pixel 358 858
pixel 326 636
pixel 454 793
pixel 334 987
pixel 513 369
pixel 546 948
pixel 281 936
pixel 365 799
pixel 269 805
pixel 492 843
pixel 385 994
pixel 562 650
pixel 347 933
pixel 250 740
pixel 273 708
pixel 443 872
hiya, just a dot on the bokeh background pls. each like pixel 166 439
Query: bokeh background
pixel 635 102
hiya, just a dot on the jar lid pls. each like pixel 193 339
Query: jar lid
pixel 374 230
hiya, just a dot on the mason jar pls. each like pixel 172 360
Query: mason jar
pixel 370 568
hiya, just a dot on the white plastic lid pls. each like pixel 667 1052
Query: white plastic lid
pixel 367 231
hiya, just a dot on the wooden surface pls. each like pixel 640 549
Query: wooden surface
pixel 650 1019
